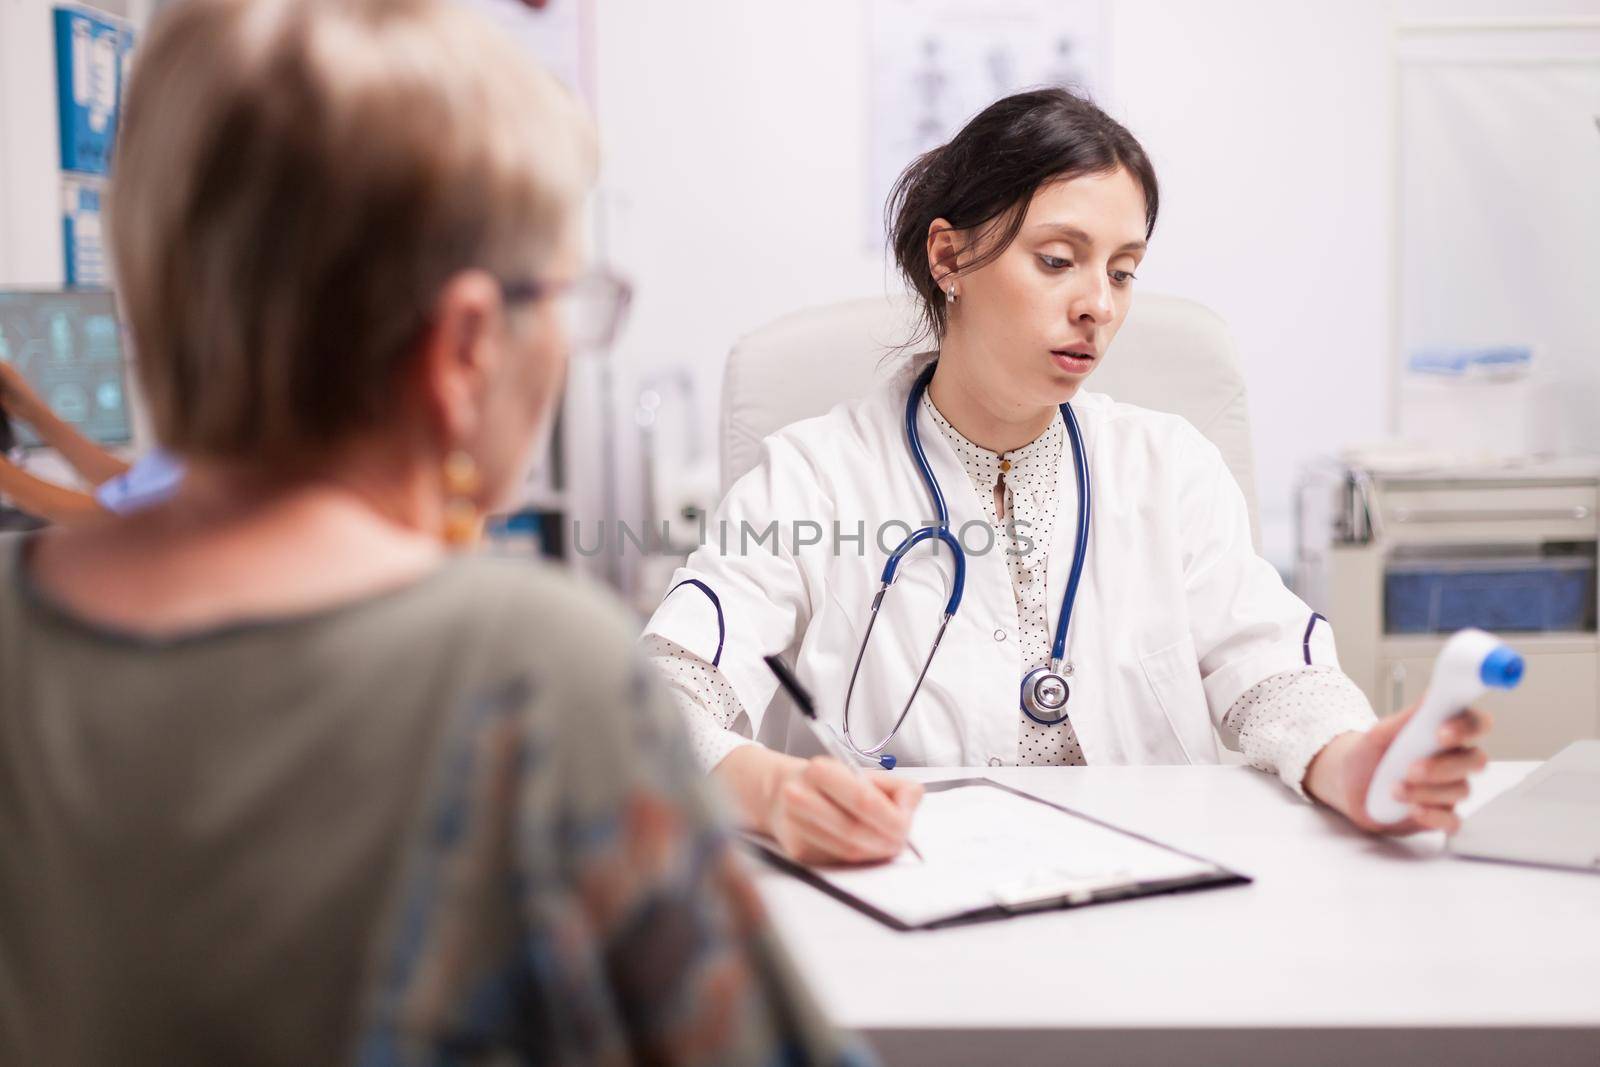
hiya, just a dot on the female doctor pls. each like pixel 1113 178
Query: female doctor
pixel 1111 607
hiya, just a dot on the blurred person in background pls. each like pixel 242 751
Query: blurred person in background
pixel 119 486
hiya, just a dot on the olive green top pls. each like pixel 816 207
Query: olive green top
pixel 450 821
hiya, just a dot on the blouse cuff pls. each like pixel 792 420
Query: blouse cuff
pixel 1284 721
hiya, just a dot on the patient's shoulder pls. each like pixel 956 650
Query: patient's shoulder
pixel 528 605
pixel 558 648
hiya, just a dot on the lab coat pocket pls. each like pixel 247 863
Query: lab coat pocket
pixel 1173 673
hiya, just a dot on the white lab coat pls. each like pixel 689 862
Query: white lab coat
pixel 1176 614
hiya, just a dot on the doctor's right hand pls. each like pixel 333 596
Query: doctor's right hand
pixel 824 812
pixel 821 811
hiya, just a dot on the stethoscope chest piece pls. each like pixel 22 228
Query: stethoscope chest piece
pixel 1044 696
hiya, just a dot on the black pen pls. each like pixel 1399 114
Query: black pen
pixel 824 736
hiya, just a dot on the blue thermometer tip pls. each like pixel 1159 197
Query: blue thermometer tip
pixel 1502 668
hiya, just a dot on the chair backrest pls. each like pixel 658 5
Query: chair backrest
pixel 1172 355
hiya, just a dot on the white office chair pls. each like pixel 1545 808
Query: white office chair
pixel 1171 355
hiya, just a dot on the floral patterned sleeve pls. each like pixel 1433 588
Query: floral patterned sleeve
pixel 576 899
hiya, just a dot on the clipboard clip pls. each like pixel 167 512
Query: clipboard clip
pixel 1050 890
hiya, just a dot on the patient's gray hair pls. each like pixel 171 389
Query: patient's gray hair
pixel 295 182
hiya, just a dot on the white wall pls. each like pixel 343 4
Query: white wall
pixel 1269 124
pixel 734 138
pixel 734 159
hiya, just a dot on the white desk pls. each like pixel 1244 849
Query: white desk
pixel 1346 948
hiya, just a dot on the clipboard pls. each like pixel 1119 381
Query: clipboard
pixel 971 874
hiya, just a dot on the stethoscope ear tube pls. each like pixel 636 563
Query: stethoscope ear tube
pixel 893 565
pixel 872 752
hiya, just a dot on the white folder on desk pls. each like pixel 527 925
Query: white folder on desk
pixel 990 851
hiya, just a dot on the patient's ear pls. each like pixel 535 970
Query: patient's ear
pixel 458 355
pixel 945 245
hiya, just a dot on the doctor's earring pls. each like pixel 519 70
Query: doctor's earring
pixel 951 293
pixel 462 523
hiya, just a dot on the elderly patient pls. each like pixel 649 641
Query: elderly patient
pixel 283 779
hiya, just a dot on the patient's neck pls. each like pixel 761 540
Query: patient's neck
pixel 988 420
pixel 239 541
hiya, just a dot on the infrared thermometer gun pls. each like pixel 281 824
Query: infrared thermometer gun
pixel 1470 662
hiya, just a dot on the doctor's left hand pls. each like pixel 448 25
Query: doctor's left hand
pixel 1433 786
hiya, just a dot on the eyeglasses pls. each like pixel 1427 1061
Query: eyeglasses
pixel 595 304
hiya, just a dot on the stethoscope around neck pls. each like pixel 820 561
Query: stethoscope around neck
pixel 1044 692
